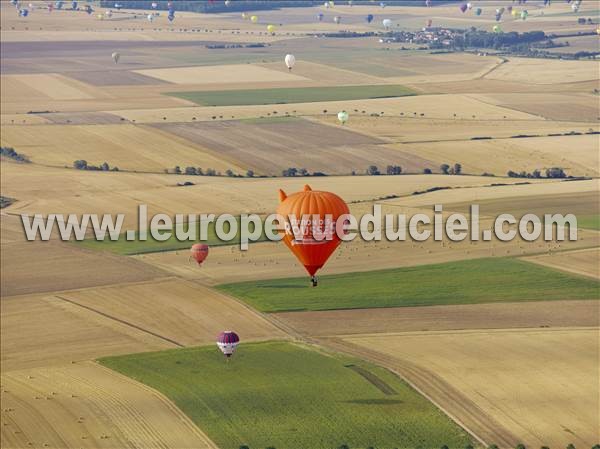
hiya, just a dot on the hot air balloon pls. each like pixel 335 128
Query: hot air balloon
pixel 171 17
pixel 326 5
pixel 469 5
pixel 118 6
pixel 478 11
pixel 382 4
pixel 331 3
pixel 575 7
pixel 50 7
pixel 337 19
pixel 73 6
pixel 387 23
pixel 59 4
pixel 154 5
pixel 463 7
pixel 514 13
pixel 314 239
pixel 350 3
pixel 108 13
pixel 100 16
pixel 524 14
pixel 244 15
pixel 271 29
pixel 227 341
pixel 88 9
pixel 290 61
pixel 427 2
pixel 497 29
pixel 23 12
pixel 343 117
pixel 227 2
pixel 254 19
pixel 320 16
pixel 369 18
pixel 429 23
pixel 199 252
pixel 116 56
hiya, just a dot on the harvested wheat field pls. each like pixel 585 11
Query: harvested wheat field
pixel 36 267
pixel 499 156
pixel 228 74
pixel 543 71
pixel 180 311
pixel 545 389
pixel 440 318
pixel 128 147
pixel 583 262
pixel 44 330
pixel 57 190
pixel 272 146
pixel 272 260
pixel 85 405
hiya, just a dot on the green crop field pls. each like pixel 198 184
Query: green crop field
pixel 151 245
pixel 287 396
pixel 589 222
pixel 464 282
pixel 292 95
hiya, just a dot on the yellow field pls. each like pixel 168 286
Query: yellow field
pixel 498 156
pixel 54 190
pixel 88 406
pixel 546 71
pixel 128 147
pixel 274 260
pixel 229 74
pixel 544 389
pixel 584 262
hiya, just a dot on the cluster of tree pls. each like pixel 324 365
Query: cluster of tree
pixel 392 170
pixel 81 164
pixel 293 171
pixel 456 169
pixel 198 171
pixel 5 201
pixel 484 39
pixel 554 172
pixel 12 154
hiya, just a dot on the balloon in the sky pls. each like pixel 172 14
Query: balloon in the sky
pixel 171 17
pixel 88 9
pixel 310 226
pixel 387 23
pixel 463 7
pixel 23 12
pixel 244 16
pixel 108 13
pixel 154 5
pixel 271 29
pixel 514 13
pixel 524 14
pixel 73 6
pixel 320 16
pixel 254 19
pixel 227 2
pixel 429 23
pixel 343 117
pixel 150 18
pixel 478 11
pixel 497 29
pixel 227 341
pixel 469 5
pixel 337 19
pixel 427 2
pixel 369 18
pixel 59 4
pixel 382 4
pixel 290 61
pixel 100 16
pixel 199 252
pixel 116 56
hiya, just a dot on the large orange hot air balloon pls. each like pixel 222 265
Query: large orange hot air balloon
pixel 199 252
pixel 310 226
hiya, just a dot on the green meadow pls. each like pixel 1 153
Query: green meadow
pixel 292 95
pixel 286 396
pixel 463 282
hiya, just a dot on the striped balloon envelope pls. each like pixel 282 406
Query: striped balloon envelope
pixel 227 341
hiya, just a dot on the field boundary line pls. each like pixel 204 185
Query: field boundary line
pixel 119 320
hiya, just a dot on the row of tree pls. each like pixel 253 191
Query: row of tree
pixel 81 164
pixel 468 446
pixel 10 153
pixel 554 172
